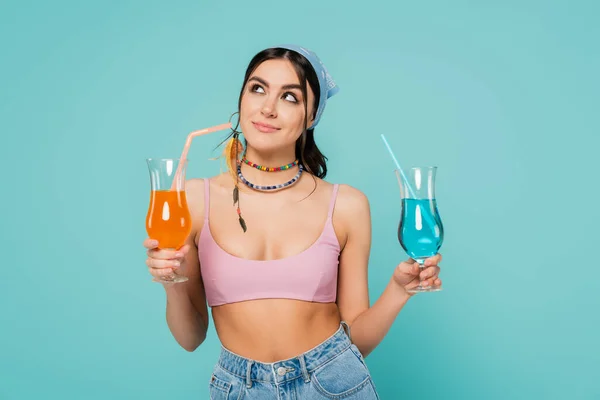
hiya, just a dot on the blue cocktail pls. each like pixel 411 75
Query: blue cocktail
pixel 420 231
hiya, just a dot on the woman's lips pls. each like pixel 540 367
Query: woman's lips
pixel 265 128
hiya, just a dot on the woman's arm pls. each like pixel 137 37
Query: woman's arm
pixel 370 324
pixel 186 310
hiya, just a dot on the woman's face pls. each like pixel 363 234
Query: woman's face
pixel 272 106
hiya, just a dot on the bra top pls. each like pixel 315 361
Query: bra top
pixel 310 275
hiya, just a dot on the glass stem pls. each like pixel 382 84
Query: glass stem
pixel 421 268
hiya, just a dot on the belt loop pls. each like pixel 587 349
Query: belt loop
pixel 303 368
pixel 248 373
pixel 347 329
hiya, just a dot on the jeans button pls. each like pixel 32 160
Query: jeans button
pixel 281 371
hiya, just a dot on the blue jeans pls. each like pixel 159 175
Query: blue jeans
pixel 334 369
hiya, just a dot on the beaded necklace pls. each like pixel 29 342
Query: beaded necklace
pixel 269 169
pixel 269 188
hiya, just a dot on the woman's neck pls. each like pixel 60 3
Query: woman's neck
pixel 272 160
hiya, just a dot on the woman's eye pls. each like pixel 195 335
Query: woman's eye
pixel 257 89
pixel 290 97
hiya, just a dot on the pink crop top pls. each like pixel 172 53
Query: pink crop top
pixel 310 275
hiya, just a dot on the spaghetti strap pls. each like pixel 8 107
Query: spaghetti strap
pixel 332 201
pixel 206 198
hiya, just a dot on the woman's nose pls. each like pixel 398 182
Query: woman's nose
pixel 269 107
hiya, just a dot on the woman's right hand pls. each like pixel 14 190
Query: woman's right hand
pixel 163 263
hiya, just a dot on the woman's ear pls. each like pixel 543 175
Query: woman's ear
pixel 310 121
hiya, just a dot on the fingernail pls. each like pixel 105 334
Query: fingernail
pixel 178 254
pixel 176 264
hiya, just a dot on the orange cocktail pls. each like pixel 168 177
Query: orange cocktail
pixel 168 219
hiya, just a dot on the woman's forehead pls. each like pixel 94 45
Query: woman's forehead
pixel 277 72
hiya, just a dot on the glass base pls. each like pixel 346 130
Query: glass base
pixel 171 279
pixel 424 289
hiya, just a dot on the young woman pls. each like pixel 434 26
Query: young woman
pixel 279 254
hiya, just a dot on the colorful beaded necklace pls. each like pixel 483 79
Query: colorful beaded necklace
pixel 269 188
pixel 269 169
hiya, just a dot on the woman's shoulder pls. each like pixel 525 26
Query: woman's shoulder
pixel 351 204
pixel 195 188
pixel 198 183
pixel 193 184
pixel 194 193
pixel 195 198
pixel 351 198
pixel 352 211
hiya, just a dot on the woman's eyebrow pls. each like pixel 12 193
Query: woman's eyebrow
pixel 265 83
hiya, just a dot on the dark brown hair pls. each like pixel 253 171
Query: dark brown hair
pixel 307 152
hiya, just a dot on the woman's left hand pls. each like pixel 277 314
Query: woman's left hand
pixel 407 274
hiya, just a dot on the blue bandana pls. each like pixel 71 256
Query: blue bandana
pixel 326 84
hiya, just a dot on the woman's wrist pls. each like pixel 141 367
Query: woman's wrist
pixel 400 291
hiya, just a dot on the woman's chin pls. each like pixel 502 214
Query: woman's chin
pixel 262 142
pixel 263 149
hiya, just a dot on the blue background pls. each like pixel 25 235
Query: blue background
pixel 501 96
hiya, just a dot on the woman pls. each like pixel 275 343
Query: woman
pixel 279 254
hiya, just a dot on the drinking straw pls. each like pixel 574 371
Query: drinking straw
pixel 398 166
pixel 188 142
pixel 408 186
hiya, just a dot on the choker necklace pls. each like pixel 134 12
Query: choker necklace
pixel 269 169
pixel 269 188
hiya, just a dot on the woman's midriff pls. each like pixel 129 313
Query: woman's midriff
pixel 270 330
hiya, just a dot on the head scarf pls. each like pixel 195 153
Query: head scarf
pixel 327 85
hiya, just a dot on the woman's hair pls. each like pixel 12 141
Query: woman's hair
pixel 307 152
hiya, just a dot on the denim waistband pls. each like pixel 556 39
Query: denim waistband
pixel 285 370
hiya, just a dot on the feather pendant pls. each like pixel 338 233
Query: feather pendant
pixel 236 195
pixel 242 223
